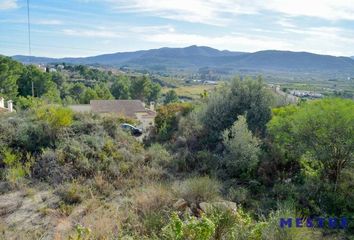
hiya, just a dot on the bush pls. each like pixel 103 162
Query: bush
pixel 15 170
pixel 166 121
pixel 152 204
pixel 71 193
pixel 272 230
pixel 242 150
pixel 199 189
pixel 102 186
pixel 192 228
pixel 152 199
pixel 48 168
pixel 239 195
pixel 56 116
pixel 158 156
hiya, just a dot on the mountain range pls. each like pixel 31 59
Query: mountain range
pixel 196 57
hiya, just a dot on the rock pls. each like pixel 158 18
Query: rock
pixel 205 207
pixel 181 204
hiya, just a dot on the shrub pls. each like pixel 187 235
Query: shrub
pixel 71 193
pixel 158 156
pixel 15 170
pixel 242 150
pixel 192 228
pixel 152 204
pixel 48 168
pixel 271 229
pixel 199 189
pixel 152 199
pixel 166 121
pixel 56 116
pixel 102 186
pixel 224 220
pixel 239 194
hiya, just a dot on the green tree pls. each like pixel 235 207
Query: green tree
pixel 58 78
pixel 320 132
pixel 88 95
pixel 42 82
pixel 76 90
pixel 155 90
pixel 121 88
pixel 9 74
pixel 241 150
pixel 248 97
pixel 171 97
pixel 140 88
pixel 102 91
pixel 166 121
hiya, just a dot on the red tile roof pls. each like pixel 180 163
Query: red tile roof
pixel 125 107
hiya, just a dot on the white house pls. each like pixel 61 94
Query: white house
pixel 9 107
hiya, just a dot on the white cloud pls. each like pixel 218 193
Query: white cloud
pixel 33 21
pixel 152 29
pixel 220 12
pixel 326 9
pixel 185 10
pixel 324 40
pixel 47 22
pixel 94 33
pixel 284 22
pixel 8 4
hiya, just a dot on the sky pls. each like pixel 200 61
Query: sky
pixel 77 28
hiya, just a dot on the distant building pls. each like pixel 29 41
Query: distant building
pixel 42 68
pixel 9 107
pixel 305 94
pixel 134 109
pixel 60 67
pixel 210 82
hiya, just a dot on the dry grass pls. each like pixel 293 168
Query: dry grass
pixel 198 189
pixel 152 198
pixel 193 91
pixel 102 219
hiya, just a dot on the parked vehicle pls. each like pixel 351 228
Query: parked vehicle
pixel 133 130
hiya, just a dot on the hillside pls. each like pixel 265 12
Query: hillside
pixel 195 57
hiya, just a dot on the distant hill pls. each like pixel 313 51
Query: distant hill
pixel 196 57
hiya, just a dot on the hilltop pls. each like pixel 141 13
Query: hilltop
pixel 196 57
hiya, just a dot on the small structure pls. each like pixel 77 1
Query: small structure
pixel 9 108
pixel 134 109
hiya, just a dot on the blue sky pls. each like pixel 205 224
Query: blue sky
pixel 62 28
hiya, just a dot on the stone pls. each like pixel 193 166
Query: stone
pixel 205 207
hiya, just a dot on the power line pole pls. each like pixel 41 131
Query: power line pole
pixel 29 41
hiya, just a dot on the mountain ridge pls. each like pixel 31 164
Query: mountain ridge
pixel 194 57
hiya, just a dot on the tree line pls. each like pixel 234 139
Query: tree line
pixel 22 82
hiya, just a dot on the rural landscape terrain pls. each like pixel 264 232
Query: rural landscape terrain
pixel 223 159
pixel 179 141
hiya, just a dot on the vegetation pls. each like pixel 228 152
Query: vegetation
pixel 70 85
pixel 226 166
